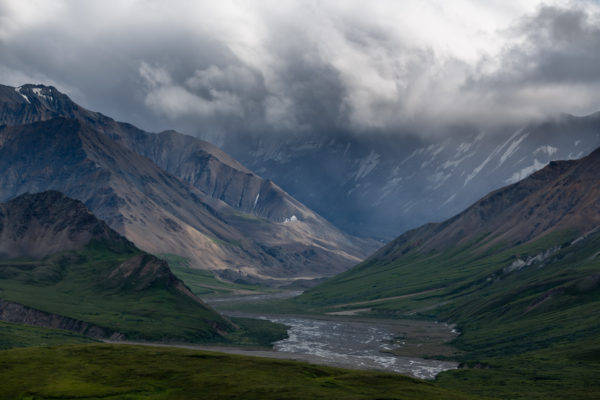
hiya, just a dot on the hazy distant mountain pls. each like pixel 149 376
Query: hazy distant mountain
pixel 201 204
pixel 562 197
pixel 380 186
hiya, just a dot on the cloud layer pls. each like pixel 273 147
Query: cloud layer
pixel 308 66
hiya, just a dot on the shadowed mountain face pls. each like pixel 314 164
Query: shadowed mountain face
pixel 168 193
pixel 564 196
pixel 36 226
pixel 60 266
pixel 382 185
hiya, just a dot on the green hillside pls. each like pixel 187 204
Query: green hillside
pixel 532 325
pixel 82 285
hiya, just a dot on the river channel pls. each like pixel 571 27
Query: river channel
pixel 367 344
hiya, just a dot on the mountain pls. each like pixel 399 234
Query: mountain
pixel 518 270
pixel 61 267
pixel 382 185
pixel 168 192
pixel 36 226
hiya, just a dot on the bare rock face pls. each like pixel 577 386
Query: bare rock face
pixel 35 226
pixel 167 193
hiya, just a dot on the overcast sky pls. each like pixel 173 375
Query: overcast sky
pixel 289 67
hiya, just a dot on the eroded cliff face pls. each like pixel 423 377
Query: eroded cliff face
pixel 18 313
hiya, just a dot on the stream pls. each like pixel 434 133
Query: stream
pixel 354 343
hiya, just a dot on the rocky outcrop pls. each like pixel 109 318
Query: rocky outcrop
pixel 18 313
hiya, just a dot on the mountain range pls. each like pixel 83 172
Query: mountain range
pixel 382 185
pixel 168 193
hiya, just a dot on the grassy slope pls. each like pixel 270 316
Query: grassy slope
pixel 74 288
pixel 136 372
pixel 521 322
pixel 202 282
pixel 18 335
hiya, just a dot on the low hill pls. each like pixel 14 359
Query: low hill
pixel 63 268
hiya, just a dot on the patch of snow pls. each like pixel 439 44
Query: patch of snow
pixel 525 172
pixel 256 200
pixel 463 148
pixel 367 165
pixel 514 146
pixel 455 163
pixel 437 180
pixel 573 156
pixel 389 187
pixel 413 155
pixel 448 200
pixel 18 90
pixel 346 149
pixel 549 150
pixel 38 92
pixel 495 152
pixel 293 218
pixel 434 150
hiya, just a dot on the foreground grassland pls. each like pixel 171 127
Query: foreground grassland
pixel 19 335
pixel 100 371
pixel 563 371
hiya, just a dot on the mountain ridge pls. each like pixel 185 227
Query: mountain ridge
pixel 129 191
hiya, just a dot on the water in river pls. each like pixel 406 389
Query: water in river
pixel 360 345
pixel 352 343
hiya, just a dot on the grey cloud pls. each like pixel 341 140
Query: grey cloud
pixel 313 69
pixel 551 65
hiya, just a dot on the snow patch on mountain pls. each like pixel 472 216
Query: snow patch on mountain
pixel 525 172
pixel 18 90
pixel 512 149
pixel 293 218
pixel 367 165
pixel 494 153
pixel 455 163
pixel 547 149
pixel 448 200
pixel 38 92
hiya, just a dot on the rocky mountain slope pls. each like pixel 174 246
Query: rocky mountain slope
pixel 61 267
pixel 381 186
pixel 201 204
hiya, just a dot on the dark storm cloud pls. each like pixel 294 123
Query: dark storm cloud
pixel 307 67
